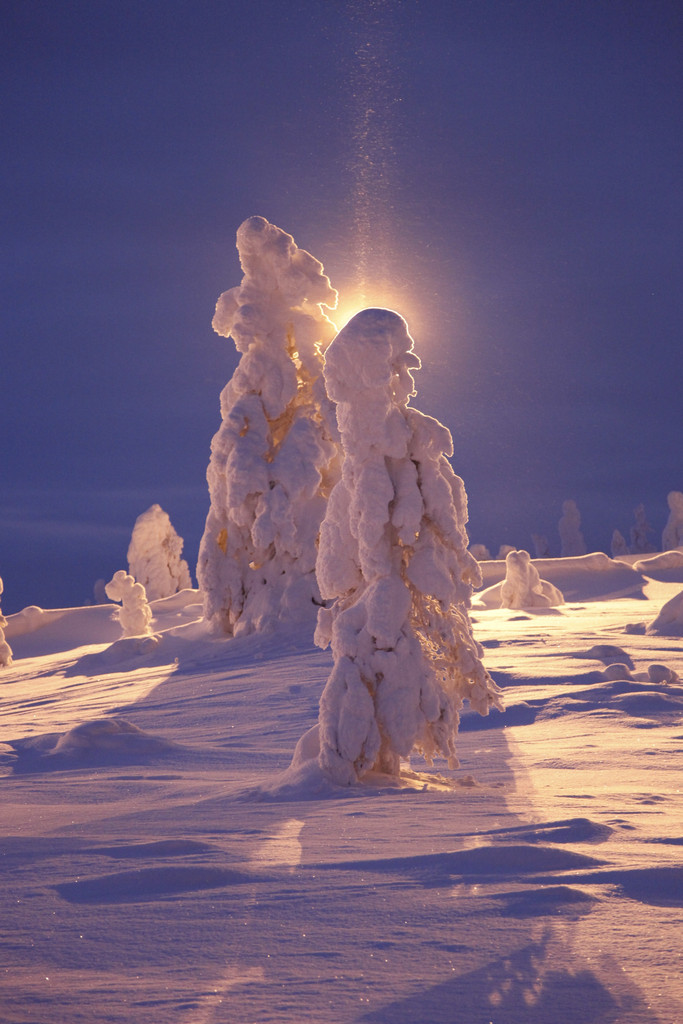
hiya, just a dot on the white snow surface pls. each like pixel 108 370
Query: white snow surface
pixel 154 555
pixel 275 456
pixel 162 864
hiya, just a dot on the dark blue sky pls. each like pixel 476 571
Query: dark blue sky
pixel 507 174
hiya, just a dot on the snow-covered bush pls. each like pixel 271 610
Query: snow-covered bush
pixel 480 552
pixel 640 532
pixel 154 555
pixel 275 457
pixel 5 649
pixel 523 587
pixel 135 614
pixel 672 537
pixel 393 558
pixel 571 538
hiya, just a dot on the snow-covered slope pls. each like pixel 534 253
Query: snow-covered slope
pixel 158 867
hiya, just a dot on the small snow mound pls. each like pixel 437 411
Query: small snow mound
pixel 665 560
pixel 617 671
pixel 113 736
pixel 669 622
pixel 304 779
pixel 662 674
pixel 666 567
pixel 609 654
pixel 28 620
pixel 130 647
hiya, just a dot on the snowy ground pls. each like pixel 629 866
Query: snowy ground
pixel 156 869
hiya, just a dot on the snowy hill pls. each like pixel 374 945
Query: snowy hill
pixel 158 866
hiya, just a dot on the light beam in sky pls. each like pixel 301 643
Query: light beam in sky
pixel 375 117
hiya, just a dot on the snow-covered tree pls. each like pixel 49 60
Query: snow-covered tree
pixel 480 552
pixel 5 649
pixel 523 587
pixel 154 555
pixel 619 546
pixel 571 538
pixel 276 455
pixel 672 537
pixel 541 548
pixel 393 558
pixel 640 532
pixel 135 614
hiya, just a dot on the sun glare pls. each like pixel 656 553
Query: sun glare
pixel 355 300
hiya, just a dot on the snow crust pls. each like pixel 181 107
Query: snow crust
pixel 393 559
pixel 154 555
pixel 275 457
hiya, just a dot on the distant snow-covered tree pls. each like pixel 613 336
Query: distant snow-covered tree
pixel 135 614
pixel 672 537
pixel 640 533
pixel 154 555
pixel 503 551
pixel 541 547
pixel 5 649
pixel 619 546
pixel 393 558
pixel 523 587
pixel 480 552
pixel 571 538
pixel 275 457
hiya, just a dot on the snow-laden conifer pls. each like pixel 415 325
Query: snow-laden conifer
pixel 619 547
pixel 640 533
pixel 275 457
pixel 672 536
pixel 135 614
pixel 571 538
pixel 154 555
pixel 393 559
pixel 5 649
